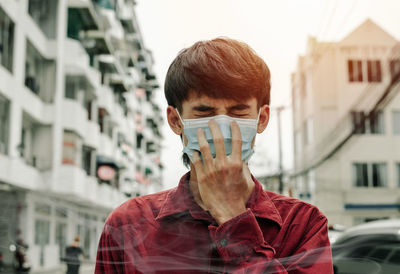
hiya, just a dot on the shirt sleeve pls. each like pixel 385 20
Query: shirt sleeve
pixel 109 258
pixel 241 245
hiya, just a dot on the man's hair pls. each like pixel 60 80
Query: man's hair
pixel 218 68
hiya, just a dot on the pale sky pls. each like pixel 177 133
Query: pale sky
pixel 276 30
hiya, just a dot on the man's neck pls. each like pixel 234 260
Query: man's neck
pixel 193 184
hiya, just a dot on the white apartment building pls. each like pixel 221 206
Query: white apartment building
pixel 346 122
pixel 79 130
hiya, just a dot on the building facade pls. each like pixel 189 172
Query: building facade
pixel 346 126
pixel 79 129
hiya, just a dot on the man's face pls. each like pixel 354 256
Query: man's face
pixel 200 106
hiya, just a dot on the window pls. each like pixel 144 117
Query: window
pixel 6 41
pixel 61 237
pixel 42 232
pixel 396 122
pixel 374 71
pixel 39 74
pixel 369 174
pixel 72 149
pixel 150 147
pixel 376 122
pixel 379 176
pixel 395 257
pixel 394 68
pixel 42 236
pixel 355 70
pixel 4 124
pixel 139 138
pixel 88 160
pixel 104 121
pixel 372 123
pixel 89 107
pixel 70 89
pixel 360 174
pixel 44 13
pixel 100 118
pixel 379 254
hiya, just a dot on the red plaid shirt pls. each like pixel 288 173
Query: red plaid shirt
pixel 168 232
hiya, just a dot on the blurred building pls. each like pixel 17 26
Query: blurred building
pixel 79 129
pixel 346 122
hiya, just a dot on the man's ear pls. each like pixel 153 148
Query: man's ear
pixel 263 118
pixel 174 121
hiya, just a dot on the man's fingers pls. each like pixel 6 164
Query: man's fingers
pixel 236 141
pixel 218 140
pixel 198 165
pixel 204 147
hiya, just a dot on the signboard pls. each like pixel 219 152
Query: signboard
pixel 105 173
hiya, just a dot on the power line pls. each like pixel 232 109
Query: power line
pixel 383 100
pixel 378 105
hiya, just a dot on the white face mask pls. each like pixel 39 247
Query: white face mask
pixel 248 130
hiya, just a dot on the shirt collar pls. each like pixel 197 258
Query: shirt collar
pixel 180 201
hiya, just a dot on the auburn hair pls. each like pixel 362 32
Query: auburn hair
pixel 218 68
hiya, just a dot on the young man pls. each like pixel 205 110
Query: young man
pixel 218 219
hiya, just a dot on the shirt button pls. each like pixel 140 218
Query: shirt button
pixel 223 242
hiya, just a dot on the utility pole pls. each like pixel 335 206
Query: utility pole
pixel 278 111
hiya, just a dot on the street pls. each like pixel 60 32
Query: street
pixel 86 268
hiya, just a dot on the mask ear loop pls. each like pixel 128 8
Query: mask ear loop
pixel 180 118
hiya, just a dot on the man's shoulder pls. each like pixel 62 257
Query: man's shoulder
pixel 137 208
pixel 289 207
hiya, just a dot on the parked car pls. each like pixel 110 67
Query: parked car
pixel 334 232
pixel 368 248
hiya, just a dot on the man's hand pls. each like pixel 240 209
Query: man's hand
pixel 222 182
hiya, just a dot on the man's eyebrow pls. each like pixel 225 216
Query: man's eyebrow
pixel 204 108
pixel 239 107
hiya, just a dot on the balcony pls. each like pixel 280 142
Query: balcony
pixel 44 14
pixel 81 15
pixel 39 110
pixel 74 116
pixel 106 99
pixel 71 180
pixel 92 134
pixel 106 147
pixel 16 172
pixel 117 116
pixel 97 42
pixel 78 64
pixel 127 17
pixel 119 82
pixel 91 188
pixel 40 74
